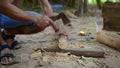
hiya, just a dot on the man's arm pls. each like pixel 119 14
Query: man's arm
pixel 12 11
pixel 46 7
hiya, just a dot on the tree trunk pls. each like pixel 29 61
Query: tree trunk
pixel 80 8
pixel 73 3
pixel 85 6
pixel 99 4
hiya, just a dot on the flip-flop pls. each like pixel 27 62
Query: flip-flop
pixel 14 43
pixel 10 55
pixel 7 55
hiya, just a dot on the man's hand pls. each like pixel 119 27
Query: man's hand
pixel 43 22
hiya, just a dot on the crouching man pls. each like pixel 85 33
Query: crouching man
pixel 16 21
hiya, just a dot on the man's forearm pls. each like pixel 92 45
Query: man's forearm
pixel 16 13
pixel 46 7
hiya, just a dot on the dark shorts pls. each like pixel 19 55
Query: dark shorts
pixel 7 22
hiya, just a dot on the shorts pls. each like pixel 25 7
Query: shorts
pixel 8 23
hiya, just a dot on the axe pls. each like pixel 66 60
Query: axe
pixel 64 18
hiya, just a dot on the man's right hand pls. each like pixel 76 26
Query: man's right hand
pixel 43 22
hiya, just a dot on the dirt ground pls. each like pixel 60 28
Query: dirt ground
pixel 63 60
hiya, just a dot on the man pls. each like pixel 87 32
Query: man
pixel 16 21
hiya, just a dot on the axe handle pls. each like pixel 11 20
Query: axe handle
pixel 54 26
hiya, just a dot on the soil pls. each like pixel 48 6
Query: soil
pixel 29 59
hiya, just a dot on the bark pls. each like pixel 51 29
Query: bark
pixel 85 7
pixel 80 8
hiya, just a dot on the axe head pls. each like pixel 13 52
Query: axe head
pixel 65 19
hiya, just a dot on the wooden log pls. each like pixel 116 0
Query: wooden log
pixel 88 52
pixel 111 39
pixel 62 42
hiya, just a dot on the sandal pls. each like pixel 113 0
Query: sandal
pixel 8 55
pixel 14 43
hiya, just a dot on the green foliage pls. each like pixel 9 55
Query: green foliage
pixel 93 2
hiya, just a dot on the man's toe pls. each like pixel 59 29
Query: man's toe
pixel 9 59
pixel 6 60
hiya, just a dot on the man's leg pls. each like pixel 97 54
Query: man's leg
pixel 4 51
pixel 31 29
pixel 24 30
pixel 21 28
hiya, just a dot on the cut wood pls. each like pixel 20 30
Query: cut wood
pixel 109 38
pixel 62 42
